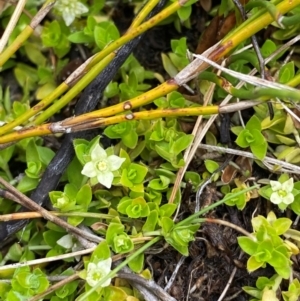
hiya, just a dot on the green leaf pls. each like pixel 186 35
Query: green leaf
pixel 27 184
pixel 130 140
pixel 45 154
pixel 111 90
pixel 259 150
pixel 279 260
pixel 182 249
pixel 259 139
pixel 268 48
pixel 247 244
pixel 138 208
pixel 81 147
pixel 84 196
pixel 26 76
pixel 176 100
pixel 105 33
pixel 14 253
pixel 102 252
pixel 51 237
pixel 118 130
pixel 287 72
pixel 159 184
pixel 211 166
pixel 80 37
pixel 5 156
pixel 34 170
pixel 241 139
pixel 122 243
pixel 137 264
pixel 74 173
pixel 151 221
pixel 295 206
pixel 193 177
pixel 51 34
pixel 167 224
pixel 184 12
pixel 167 210
pixel 252 291
pixel 123 204
pixel 111 293
pixel 169 67
pixel 34 54
pixel 253 265
pixel 112 230
pixel 253 123
pixel 181 144
pixel 281 225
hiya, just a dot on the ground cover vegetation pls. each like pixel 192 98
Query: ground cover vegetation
pixel 149 150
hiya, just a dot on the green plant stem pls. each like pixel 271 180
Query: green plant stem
pixel 47 129
pixel 152 233
pixel 19 40
pixel 143 14
pixel 191 218
pixel 272 9
pixel 39 248
pixel 291 20
pixel 255 23
pixel 137 31
pixel 114 272
pixel 104 55
pixel 248 56
pixel 34 110
pixel 108 51
pixel 26 32
pixel 260 94
pixel 249 27
pixel 74 91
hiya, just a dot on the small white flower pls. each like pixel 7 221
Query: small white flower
pixel 96 272
pixel 282 193
pixel 102 166
pixel 70 9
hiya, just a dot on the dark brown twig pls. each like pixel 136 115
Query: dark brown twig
pixel 87 103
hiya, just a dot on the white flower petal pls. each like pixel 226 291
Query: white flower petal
pixel 288 185
pixel 105 178
pixel 89 170
pixel 288 199
pixel 68 17
pixel 91 267
pixel 98 153
pixel 92 276
pixel 275 198
pixel 275 185
pixel 104 265
pixel 80 8
pixel 106 283
pixel 96 272
pixel 115 162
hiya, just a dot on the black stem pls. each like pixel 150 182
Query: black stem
pixel 87 103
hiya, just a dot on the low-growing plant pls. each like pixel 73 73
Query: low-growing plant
pixel 126 181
